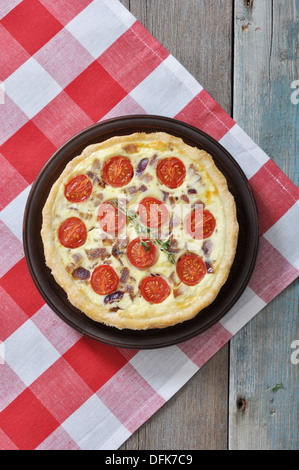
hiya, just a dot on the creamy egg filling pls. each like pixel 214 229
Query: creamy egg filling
pixel 198 186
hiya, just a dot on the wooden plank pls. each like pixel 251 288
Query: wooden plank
pixel 199 36
pixel 266 64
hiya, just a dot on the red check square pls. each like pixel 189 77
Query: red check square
pixel 19 285
pixel 64 58
pixel 31 24
pixel 95 91
pixel 61 390
pixel 11 386
pixel 133 57
pixel 6 443
pixel 58 440
pixel 65 10
pixel 12 249
pixel 12 56
pixel 140 405
pixel 275 194
pixel 12 118
pixel 61 119
pixel 204 113
pixel 272 273
pixel 36 150
pixel 34 422
pixel 57 332
pixel 204 346
pixel 96 363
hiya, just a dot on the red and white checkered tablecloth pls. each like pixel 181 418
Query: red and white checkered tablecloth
pixel 65 65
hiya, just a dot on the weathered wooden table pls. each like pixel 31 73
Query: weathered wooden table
pixel 246 54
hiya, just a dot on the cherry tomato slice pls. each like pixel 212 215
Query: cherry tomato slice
pixel 200 224
pixel 104 280
pixel 111 219
pixel 152 212
pixel 191 269
pixel 142 253
pixel 171 172
pixel 78 189
pixel 154 289
pixel 118 171
pixel 72 233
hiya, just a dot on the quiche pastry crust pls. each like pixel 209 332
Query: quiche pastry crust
pixel 137 313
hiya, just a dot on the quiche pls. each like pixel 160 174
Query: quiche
pixel 140 231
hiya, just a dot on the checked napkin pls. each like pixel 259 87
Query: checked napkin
pixel 65 65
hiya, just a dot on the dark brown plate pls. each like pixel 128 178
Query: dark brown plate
pixel 242 267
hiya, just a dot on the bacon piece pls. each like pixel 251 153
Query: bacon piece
pixel 93 177
pixel 125 273
pixel 185 198
pixel 123 242
pixel 143 188
pixel 154 160
pixel 173 245
pixel 146 177
pixel 96 253
pixel 132 190
pixel 130 148
pixel 179 291
pixel 192 169
pixel 97 165
pixel 174 222
pixel 70 267
pixel 165 196
pixel 130 290
pixel 77 257
pixel 172 201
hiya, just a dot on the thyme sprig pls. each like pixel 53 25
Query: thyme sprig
pixel 145 245
pixel 142 229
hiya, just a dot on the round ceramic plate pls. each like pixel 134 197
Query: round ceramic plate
pixel 240 272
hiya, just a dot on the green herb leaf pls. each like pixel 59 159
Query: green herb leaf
pixel 277 387
pixel 146 245
pixel 141 228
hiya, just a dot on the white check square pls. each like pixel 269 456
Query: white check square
pixel 8 5
pixel 286 241
pixel 165 370
pixel 92 425
pixel 97 27
pixel 12 215
pixel 243 311
pixel 31 87
pixel 162 93
pixel 244 150
pixel 29 353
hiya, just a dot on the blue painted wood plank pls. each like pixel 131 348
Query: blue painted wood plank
pixel 265 68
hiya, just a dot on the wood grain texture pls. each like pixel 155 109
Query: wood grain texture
pixel 265 59
pixel 266 62
pixel 196 417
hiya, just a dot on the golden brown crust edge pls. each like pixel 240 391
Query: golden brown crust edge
pixel 76 295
